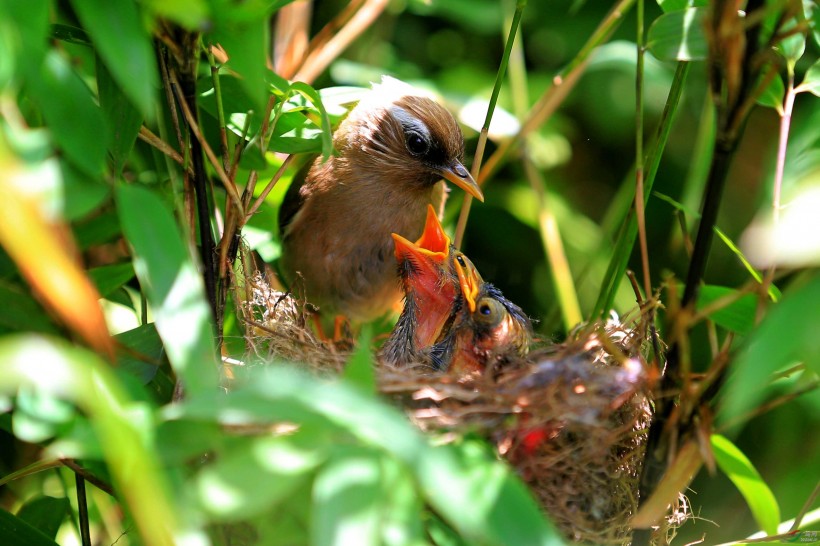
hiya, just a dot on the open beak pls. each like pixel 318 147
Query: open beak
pixel 468 278
pixel 433 237
pixel 461 177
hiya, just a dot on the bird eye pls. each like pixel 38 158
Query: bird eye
pixel 416 143
pixel 489 311
pixel 460 260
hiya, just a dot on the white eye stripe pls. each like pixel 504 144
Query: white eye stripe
pixel 410 122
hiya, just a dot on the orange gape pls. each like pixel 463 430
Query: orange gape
pixel 452 320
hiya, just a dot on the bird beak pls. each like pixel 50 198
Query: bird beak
pixel 461 177
pixel 433 237
pixel 469 279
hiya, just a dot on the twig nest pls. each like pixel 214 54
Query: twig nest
pixel 571 418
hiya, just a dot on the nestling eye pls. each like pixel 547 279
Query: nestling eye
pixel 416 143
pixel 489 311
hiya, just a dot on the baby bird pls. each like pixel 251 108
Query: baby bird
pixel 437 280
pixel 394 149
pixel 487 332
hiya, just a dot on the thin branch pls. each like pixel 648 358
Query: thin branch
pixel 485 129
pixel 318 60
pixel 151 139
pixel 271 184
pixel 562 84
pixel 189 117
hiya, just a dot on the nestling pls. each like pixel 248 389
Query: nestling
pixel 489 332
pixel 437 280
pixel 394 149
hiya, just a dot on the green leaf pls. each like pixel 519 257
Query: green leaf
pixel 772 96
pixel 124 121
pixel 82 193
pixel 14 530
pixel 172 285
pixel 125 46
pixel 675 5
pixel 738 317
pixel 191 14
pixel 788 334
pixel 145 353
pixel 347 499
pixel 792 47
pixel 478 495
pixel 255 475
pixel 58 368
pixel 20 312
pixel 108 278
pixel 70 34
pixel 314 98
pixel 811 81
pixel 361 368
pixel 247 46
pixel 679 36
pixel 45 514
pixel 743 474
pixel 70 112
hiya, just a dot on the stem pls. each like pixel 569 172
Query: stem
pixel 629 230
pixel 82 510
pixel 562 84
pixel 482 138
pixel 554 249
pixel 639 186
pixel 223 133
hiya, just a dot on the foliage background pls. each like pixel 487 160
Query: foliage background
pixel 585 154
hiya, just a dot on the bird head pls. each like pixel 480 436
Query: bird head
pixel 394 130
pixel 434 276
pixel 495 329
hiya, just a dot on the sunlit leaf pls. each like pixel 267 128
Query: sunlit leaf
pixel 472 491
pixel 247 46
pixel 787 334
pixel 675 5
pixel 121 40
pixel 361 369
pixel 58 368
pixel 347 497
pixel 793 46
pixel 743 474
pixel 316 101
pixel 739 316
pixel 256 474
pixel 811 81
pixel 172 285
pixel 191 14
pixel 48 264
pixel 678 36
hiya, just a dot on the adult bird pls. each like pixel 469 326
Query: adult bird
pixel 394 148
pixel 438 280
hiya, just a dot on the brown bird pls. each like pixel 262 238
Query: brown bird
pixel 394 149
pixel 437 280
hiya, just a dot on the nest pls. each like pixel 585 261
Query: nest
pixel 571 418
